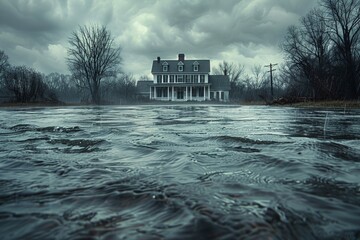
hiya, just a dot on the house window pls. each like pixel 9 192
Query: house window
pixel 158 78
pixel 196 78
pixel 196 66
pixel 202 78
pixel 180 66
pixel 165 66
pixel 188 78
pixel 171 78
pixel 180 78
pixel 165 78
pixel 194 92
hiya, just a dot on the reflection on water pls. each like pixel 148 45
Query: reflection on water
pixel 179 172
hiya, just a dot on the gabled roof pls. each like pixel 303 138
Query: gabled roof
pixel 219 82
pixel 143 86
pixel 204 66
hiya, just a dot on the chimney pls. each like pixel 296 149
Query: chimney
pixel 181 57
pixel 158 59
pixel 225 72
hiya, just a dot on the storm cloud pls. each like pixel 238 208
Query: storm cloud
pixel 35 32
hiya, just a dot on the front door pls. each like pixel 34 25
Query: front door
pixel 180 93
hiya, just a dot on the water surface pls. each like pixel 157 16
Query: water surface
pixel 179 172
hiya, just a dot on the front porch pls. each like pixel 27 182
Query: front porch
pixel 180 92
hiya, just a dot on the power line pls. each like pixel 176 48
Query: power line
pixel 271 77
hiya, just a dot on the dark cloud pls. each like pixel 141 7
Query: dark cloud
pixel 28 16
pixel 35 33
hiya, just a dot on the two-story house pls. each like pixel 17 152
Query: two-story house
pixel 186 80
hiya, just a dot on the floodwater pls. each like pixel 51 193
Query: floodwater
pixel 179 172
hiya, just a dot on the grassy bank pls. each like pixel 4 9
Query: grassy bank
pixel 35 104
pixel 327 104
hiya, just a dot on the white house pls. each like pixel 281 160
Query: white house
pixel 186 80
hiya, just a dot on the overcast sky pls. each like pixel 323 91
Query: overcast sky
pixel 35 32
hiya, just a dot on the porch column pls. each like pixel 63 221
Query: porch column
pixel 155 93
pixel 186 93
pixel 168 88
pixel 191 93
pixel 150 93
pixel 208 92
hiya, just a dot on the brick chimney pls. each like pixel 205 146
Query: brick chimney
pixel 158 59
pixel 181 57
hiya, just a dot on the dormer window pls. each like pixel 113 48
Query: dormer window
pixel 180 66
pixel 196 66
pixel 165 66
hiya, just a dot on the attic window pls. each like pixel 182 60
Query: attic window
pixel 180 66
pixel 165 66
pixel 196 66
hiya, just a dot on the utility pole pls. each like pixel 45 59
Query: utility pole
pixel 271 77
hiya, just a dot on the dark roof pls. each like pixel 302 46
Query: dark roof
pixel 143 86
pixel 219 82
pixel 204 66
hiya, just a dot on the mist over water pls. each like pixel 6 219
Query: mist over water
pixel 179 172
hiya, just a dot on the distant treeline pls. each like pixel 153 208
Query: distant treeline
pixel 94 61
pixel 25 85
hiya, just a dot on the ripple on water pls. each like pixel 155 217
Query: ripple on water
pixel 79 145
pixel 178 172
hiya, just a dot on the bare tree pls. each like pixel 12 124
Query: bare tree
pixel 127 86
pixel 4 64
pixel 144 78
pixel 343 21
pixel 234 71
pixel 307 50
pixel 120 89
pixel 258 76
pixel 64 86
pixel 93 56
pixel 3 61
pixel 25 83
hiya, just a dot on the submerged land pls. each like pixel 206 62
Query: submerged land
pixel 308 104
pixel 181 171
